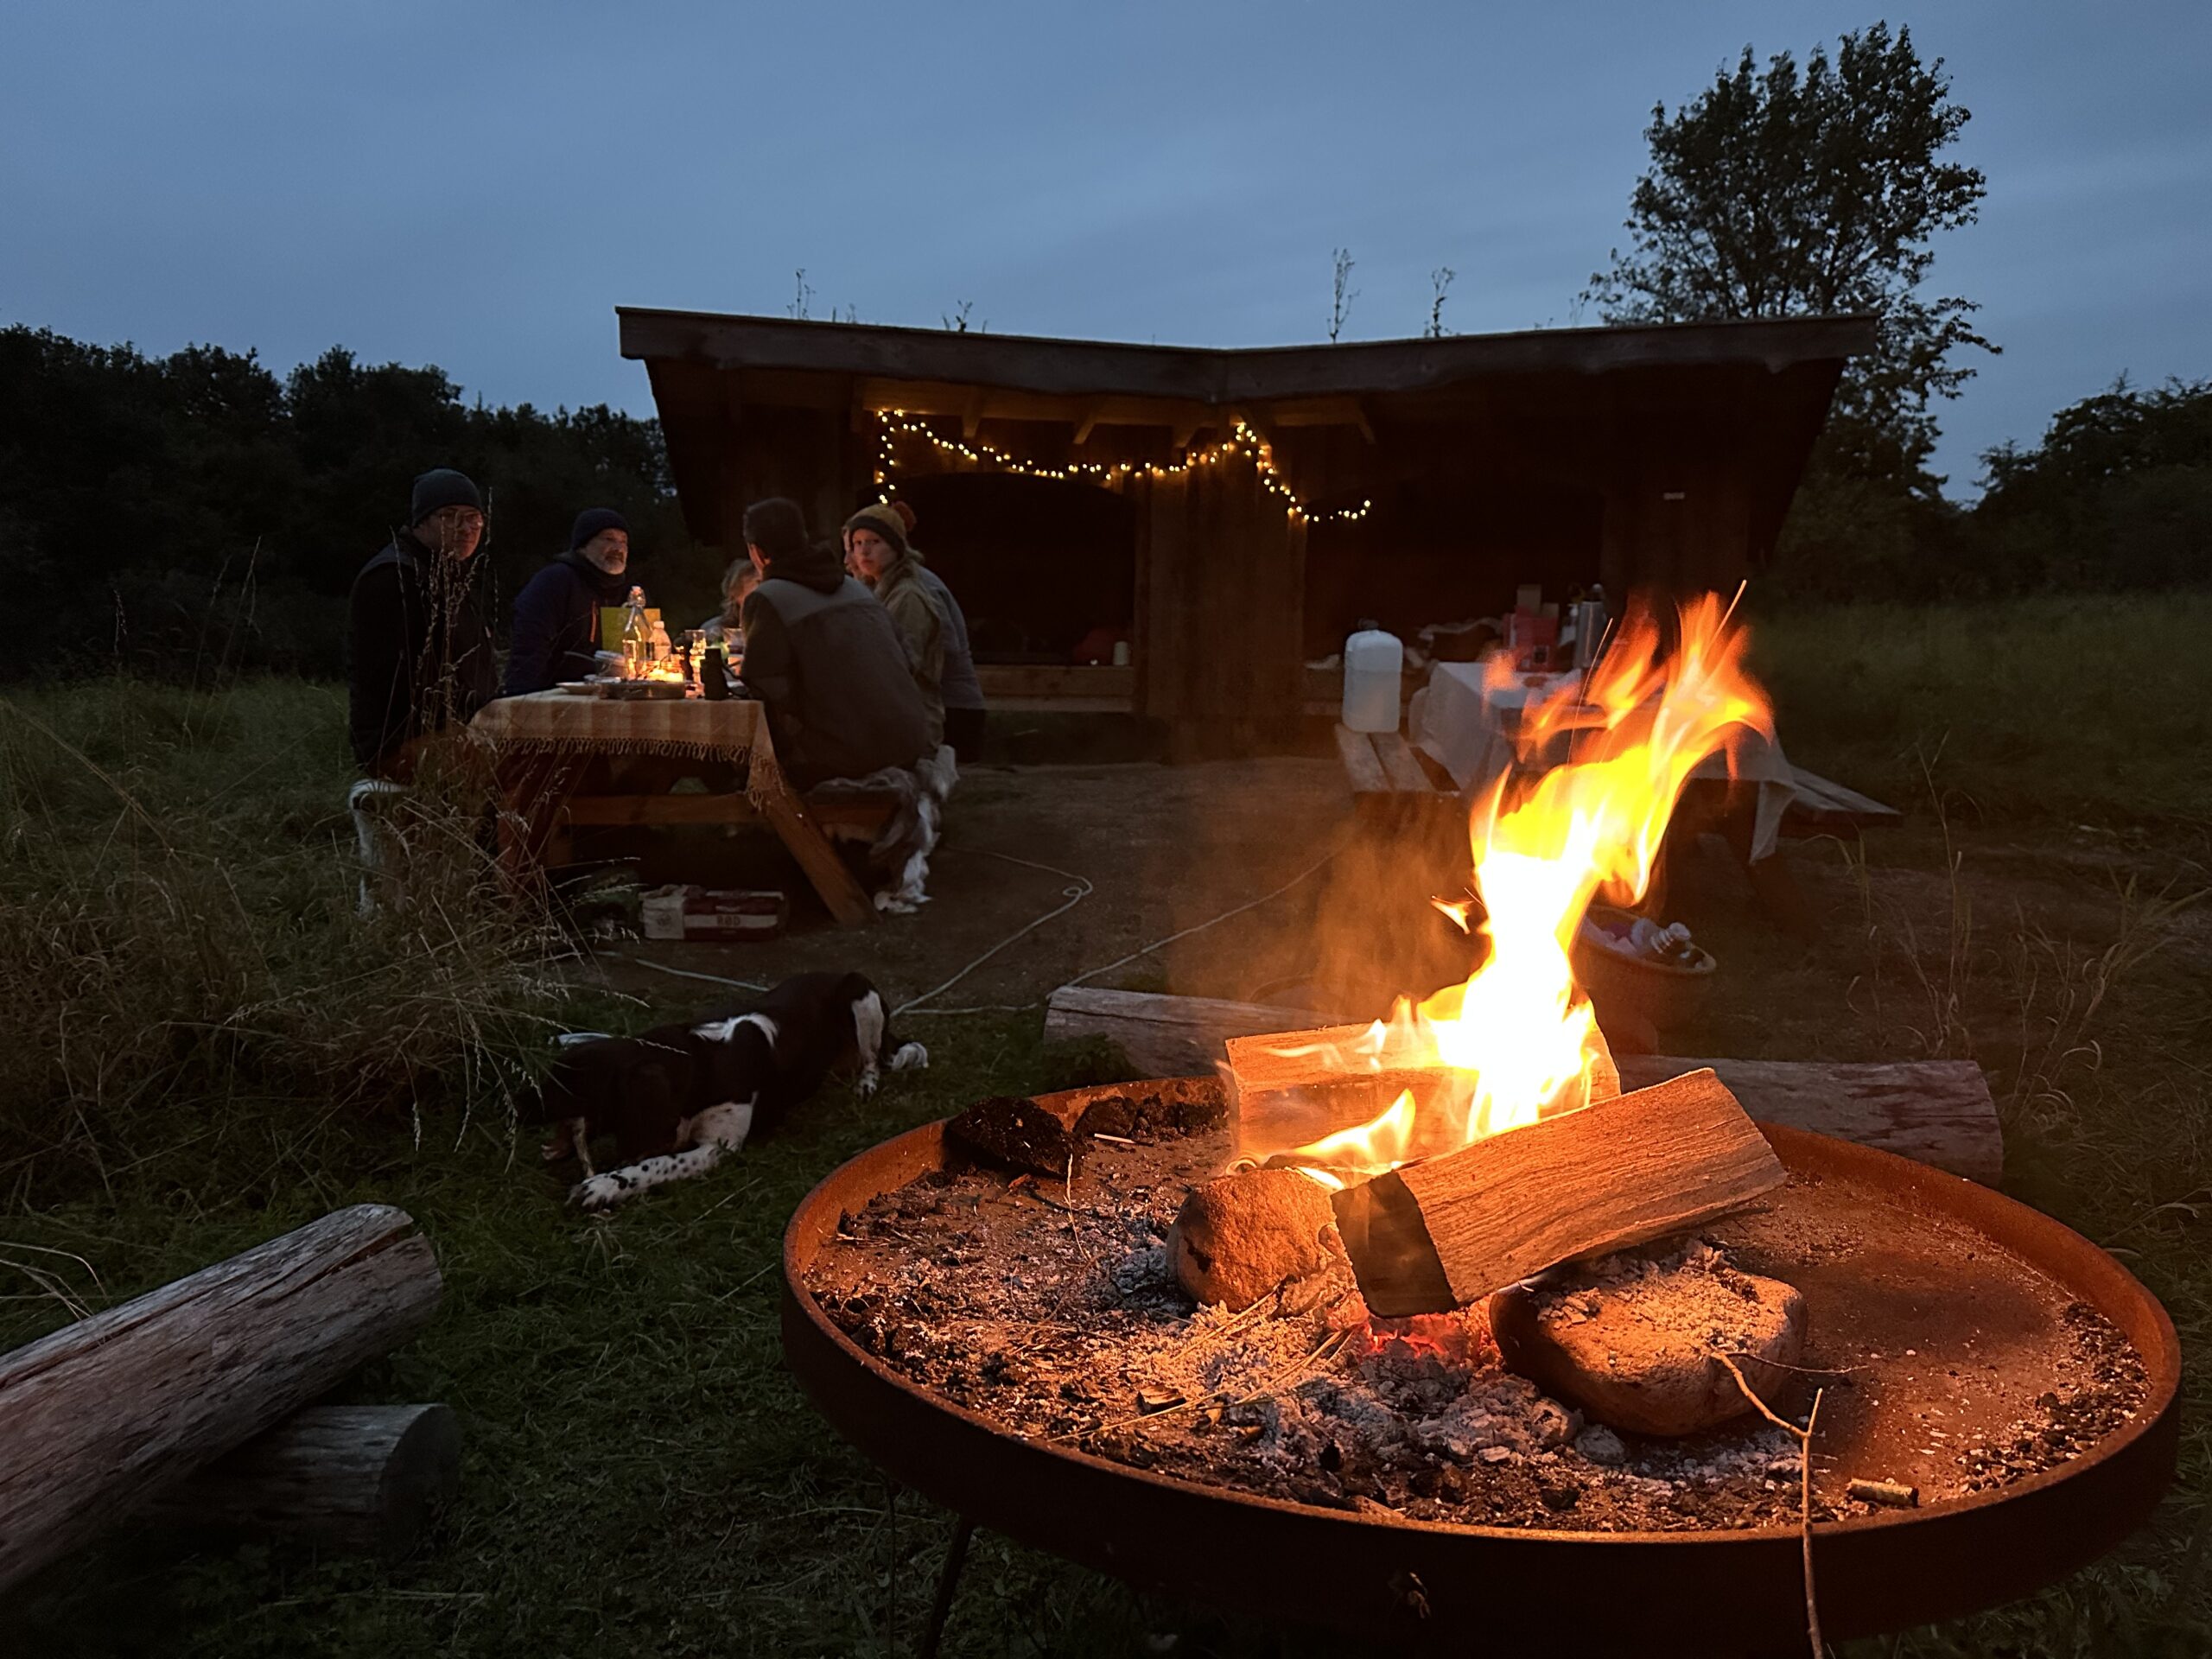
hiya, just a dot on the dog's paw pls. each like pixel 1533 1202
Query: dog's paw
pixel 910 1056
pixel 600 1192
pixel 867 1084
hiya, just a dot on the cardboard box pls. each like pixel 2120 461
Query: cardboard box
pixel 726 914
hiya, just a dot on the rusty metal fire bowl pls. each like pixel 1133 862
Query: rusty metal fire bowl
pixel 1906 1290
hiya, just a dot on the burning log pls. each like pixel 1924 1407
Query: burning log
pixel 1443 1231
pixel 1240 1237
pixel 1293 1088
pixel 1635 1342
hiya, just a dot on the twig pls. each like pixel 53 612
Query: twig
pixel 1804 1439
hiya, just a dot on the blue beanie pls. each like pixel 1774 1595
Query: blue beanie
pixel 591 521
pixel 442 487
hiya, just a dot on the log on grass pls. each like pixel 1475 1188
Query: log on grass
pixel 1163 1036
pixel 1936 1111
pixel 355 1480
pixel 1291 1087
pixel 98 1417
pixel 1441 1232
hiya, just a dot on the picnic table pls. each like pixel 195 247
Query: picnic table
pixel 1751 793
pixel 561 761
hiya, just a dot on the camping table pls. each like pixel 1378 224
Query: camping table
pixel 545 744
pixel 1744 792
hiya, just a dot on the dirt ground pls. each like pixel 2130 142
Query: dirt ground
pixel 1156 849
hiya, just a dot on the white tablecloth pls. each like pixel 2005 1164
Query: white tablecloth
pixel 1468 729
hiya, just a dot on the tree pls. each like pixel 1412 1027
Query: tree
pixel 1810 191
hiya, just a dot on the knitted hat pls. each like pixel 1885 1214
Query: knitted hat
pixel 906 515
pixel 591 521
pixel 883 521
pixel 441 487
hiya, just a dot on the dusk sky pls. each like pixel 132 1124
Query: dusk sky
pixel 479 186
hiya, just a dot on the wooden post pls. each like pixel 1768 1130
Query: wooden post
pixel 102 1415
pixel 355 1480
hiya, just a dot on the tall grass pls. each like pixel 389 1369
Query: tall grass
pixel 2096 706
pixel 181 959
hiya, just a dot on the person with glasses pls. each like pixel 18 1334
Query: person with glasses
pixel 419 655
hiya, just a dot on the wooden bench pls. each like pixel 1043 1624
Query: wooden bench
pixel 807 828
pixel 1939 1112
pixel 1824 807
pixel 1391 781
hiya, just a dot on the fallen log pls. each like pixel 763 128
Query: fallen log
pixel 1440 1232
pixel 1163 1036
pixel 1293 1088
pixel 1936 1111
pixel 101 1415
pixel 355 1480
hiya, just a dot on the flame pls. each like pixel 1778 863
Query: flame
pixel 1516 1039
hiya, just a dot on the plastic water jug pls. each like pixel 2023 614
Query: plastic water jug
pixel 1373 660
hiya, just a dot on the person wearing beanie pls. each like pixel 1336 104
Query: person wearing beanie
pixel 419 655
pixel 875 538
pixel 824 658
pixel 556 613
pixel 958 685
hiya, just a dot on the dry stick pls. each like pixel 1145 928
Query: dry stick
pixel 1804 1439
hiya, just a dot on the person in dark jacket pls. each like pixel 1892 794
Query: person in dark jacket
pixel 557 612
pixel 419 646
pixel 825 658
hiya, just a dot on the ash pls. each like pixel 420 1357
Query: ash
pixel 1051 1309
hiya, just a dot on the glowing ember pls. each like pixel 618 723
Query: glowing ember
pixel 1517 1037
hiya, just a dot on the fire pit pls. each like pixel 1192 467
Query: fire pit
pixel 1972 1348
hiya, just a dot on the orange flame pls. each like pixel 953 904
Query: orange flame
pixel 1515 1036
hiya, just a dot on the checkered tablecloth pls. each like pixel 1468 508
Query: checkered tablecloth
pixel 557 723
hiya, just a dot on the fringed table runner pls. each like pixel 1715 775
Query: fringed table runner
pixel 691 728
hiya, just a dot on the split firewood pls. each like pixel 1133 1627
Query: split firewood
pixel 1026 1133
pixel 1445 1230
pixel 1636 1341
pixel 1293 1088
pixel 1240 1237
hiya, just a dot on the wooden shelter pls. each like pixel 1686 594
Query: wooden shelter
pixel 1231 514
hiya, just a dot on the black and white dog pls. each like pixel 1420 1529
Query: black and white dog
pixel 678 1099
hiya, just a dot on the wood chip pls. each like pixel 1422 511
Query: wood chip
pixel 1889 1493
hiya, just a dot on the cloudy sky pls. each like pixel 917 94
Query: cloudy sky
pixel 479 185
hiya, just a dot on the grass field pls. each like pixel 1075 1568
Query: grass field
pixel 208 1047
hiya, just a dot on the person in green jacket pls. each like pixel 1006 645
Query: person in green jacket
pixel 875 540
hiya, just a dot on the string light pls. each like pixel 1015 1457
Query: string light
pixel 894 424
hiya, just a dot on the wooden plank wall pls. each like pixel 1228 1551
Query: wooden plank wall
pixel 812 455
pixel 1221 594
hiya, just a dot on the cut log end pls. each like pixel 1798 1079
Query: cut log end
pixel 356 1480
pixel 1636 1341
